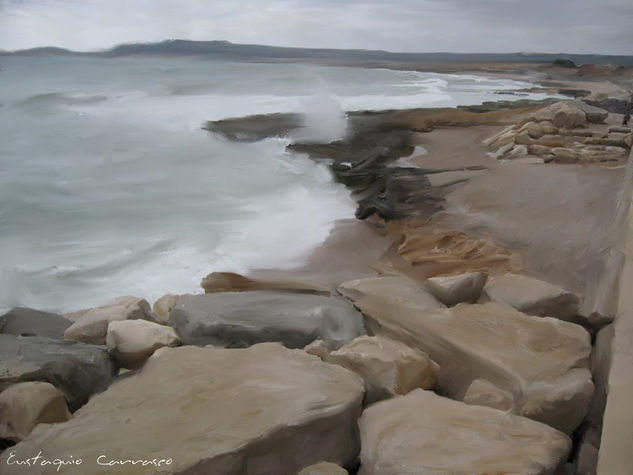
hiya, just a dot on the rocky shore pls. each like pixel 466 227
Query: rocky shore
pixel 462 324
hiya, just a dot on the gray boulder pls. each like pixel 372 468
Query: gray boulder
pixel 28 322
pixel 595 115
pixel 76 369
pixel 238 320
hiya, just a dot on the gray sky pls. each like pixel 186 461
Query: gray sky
pixel 551 26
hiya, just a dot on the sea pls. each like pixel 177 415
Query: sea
pixel 109 186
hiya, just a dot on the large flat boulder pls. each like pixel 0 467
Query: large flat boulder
pixel 264 409
pixel 564 114
pixel 91 325
pixel 424 433
pixel 532 296
pixel 28 322
pixel 241 319
pixel 232 282
pixel 542 362
pixel 388 367
pixel 76 369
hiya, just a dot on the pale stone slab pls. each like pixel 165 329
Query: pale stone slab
pixel 264 409
pixel 423 433
pixel 532 296
pixel 542 362
pixel 454 289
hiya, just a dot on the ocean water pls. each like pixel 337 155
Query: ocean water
pixel 109 187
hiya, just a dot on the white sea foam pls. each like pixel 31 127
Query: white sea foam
pixel 108 186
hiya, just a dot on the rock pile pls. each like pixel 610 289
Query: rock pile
pixel 541 363
pixel 564 132
pixel 264 409
pixel 512 384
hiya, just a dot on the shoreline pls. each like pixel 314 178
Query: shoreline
pixel 456 213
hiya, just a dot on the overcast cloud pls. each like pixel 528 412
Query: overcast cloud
pixel 552 26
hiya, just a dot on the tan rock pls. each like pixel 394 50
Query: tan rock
pixel 575 133
pixel 264 409
pixel 539 150
pixel 562 114
pixel 24 405
pixel 529 160
pixel 398 287
pixel 501 151
pixel 532 296
pixel 323 468
pixel 454 289
pixel 540 129
pixel 91 325
pixel 620 129
pixel 388 367
pixel 595 115
pixel 484 393
pixel 502 138
pixel 231 282
pixel 601 155
pixel 613 140
pixel 427 434
pixel 453 252
pixel 523 139
pixel 517 152
pixel 133 341
pixel 525 125
pixel 163 306
pixel 551 141
pixel 318 348
pixel 542 362
pixel 565 155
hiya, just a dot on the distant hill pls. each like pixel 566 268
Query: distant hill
pixel 226 50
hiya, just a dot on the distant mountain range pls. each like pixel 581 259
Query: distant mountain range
pixel 230 51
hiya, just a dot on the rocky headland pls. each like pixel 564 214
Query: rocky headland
pixel 461 324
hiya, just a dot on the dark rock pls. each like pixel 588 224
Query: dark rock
pixel 76 369
pixel 28 322
pixel 242 319
pixel 399 193
pixel 616 106
pixel 256 127
pixel 361 158
pixel 575 93
pixel 564 63
pixel 490 106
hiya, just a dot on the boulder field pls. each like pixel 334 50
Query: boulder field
pixel 542 362
pixel 261 410
pixel 438 357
